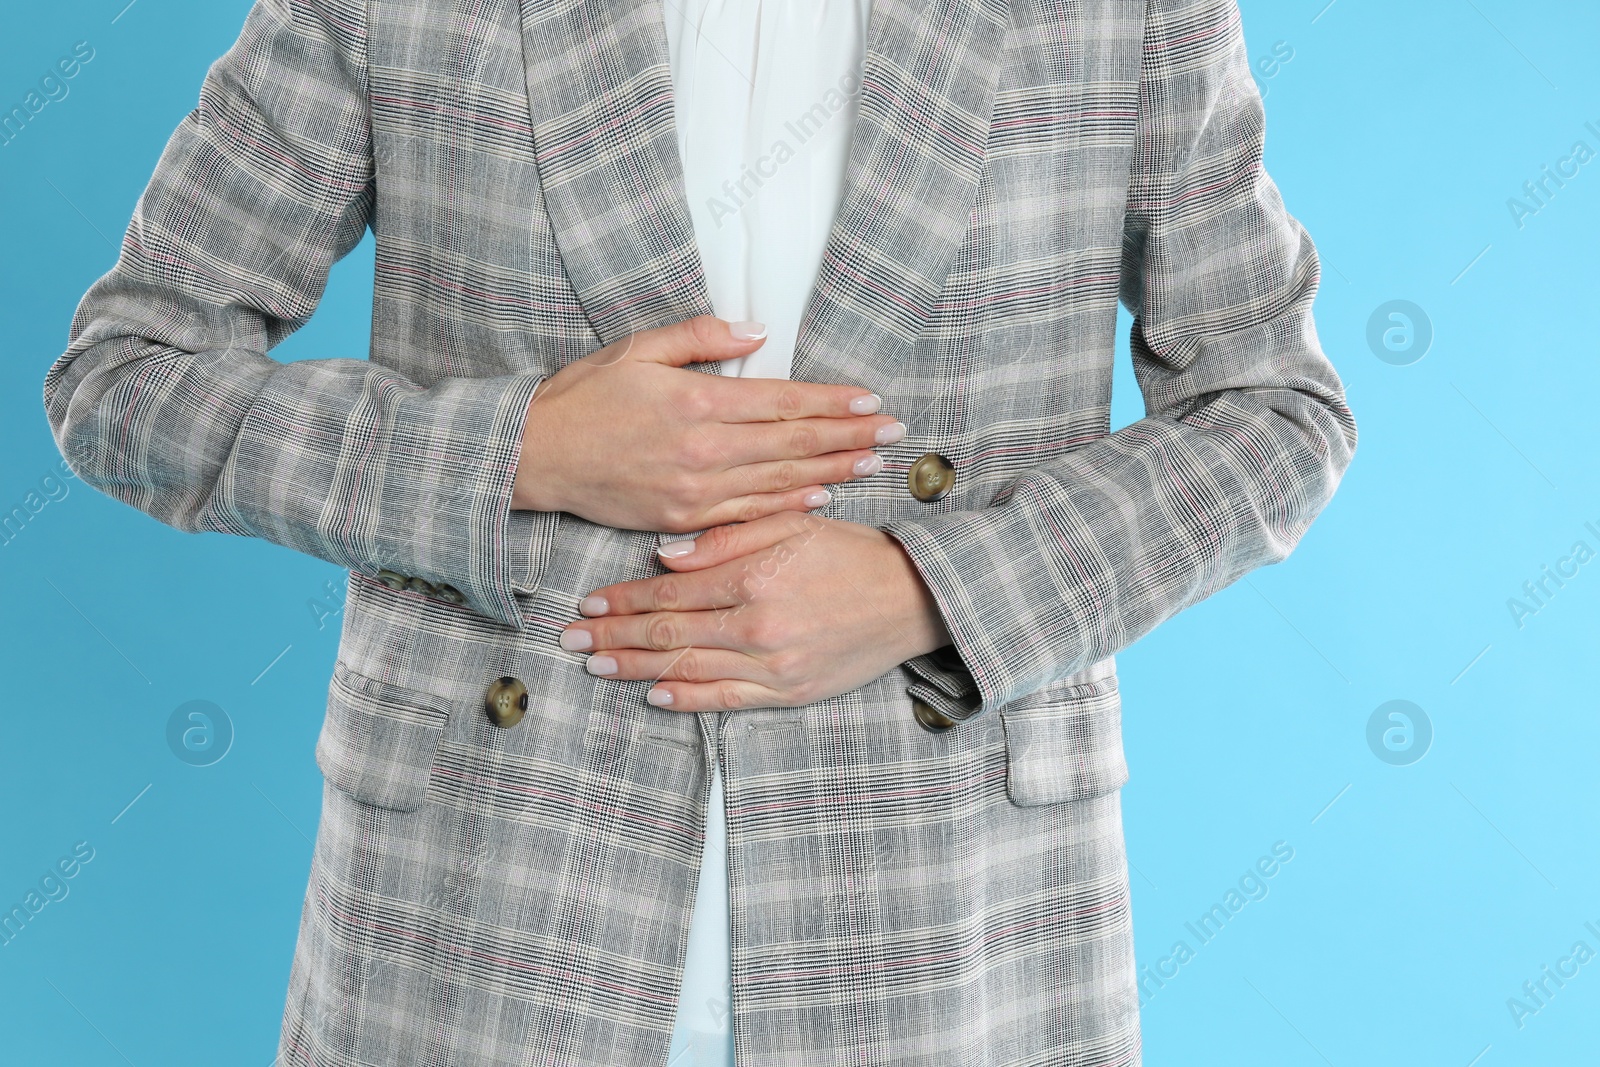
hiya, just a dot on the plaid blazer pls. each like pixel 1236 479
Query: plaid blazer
pixel 496 896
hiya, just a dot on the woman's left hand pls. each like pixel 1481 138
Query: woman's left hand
pixel 778 612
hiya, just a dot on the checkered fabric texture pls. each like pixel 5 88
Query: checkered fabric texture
pixel 483 896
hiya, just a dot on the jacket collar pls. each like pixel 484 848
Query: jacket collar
pixel 600 90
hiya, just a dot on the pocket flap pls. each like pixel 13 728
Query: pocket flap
pixel 379 739
pixel 1065 744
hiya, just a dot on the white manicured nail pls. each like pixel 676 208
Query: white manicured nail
pixel 868 465
pixel 594 605
pixel 576 640
pixel 888 435
pixel 866 405
pixel 676 549
pixel 747 330
pixel 817 499
pixel 659 697
pixel 601 665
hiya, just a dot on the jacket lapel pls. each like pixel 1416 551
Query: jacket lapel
pixel 916 153
pixel 600 89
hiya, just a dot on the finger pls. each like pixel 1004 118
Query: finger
pixel 748 542
pixel 696 340
pixel 662 631
pixel 746 443
pixel 725 695
pixel 755 506
pixel 781 400
pixel 800 478
pixel 685 664
pixel 702 591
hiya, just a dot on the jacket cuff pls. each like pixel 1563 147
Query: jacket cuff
pixel 441 511
pixel 959 555
pixel 476 545
pixel 940 680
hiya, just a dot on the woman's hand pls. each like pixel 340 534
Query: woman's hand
pixel 627 437
pixel 779 612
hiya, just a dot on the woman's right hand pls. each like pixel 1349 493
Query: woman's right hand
pixel 627 437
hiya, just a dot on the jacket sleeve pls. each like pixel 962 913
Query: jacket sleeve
pixel 166 398
pixel 1246 432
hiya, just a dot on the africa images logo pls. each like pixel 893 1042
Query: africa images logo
pixel 53 87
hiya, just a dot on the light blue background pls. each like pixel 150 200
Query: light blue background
pixel 1419 899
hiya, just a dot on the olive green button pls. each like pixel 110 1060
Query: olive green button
pixel 506 701
pixel 930 477
pixel 930 718
pixel 449 594
pixel 392 579
pixel 421 585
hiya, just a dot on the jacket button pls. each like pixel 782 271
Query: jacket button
pixel 421 585
pixel 506 701
pixel 392 579
pixel 930 477
pixel 449 594
pixel 930 718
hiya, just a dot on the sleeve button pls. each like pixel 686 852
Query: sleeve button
pixel 930 718
pixel 392 579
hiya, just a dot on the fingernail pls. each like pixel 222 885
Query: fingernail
pixel 601 665
pixel 866 405
pixel 888 435
pixel 817 499
pixel 576 640
pixel 676 549
pixel 593 605
pixel 659 697
pixel 747 330
pixel 868 465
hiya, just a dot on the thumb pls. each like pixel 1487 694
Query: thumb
pixel 696 340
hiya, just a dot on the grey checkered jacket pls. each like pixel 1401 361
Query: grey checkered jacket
pixel 515 896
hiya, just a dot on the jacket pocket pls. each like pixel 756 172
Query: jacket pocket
pixel 1065 744
pixel 379 739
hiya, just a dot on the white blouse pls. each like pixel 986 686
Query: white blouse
pixel 765 97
